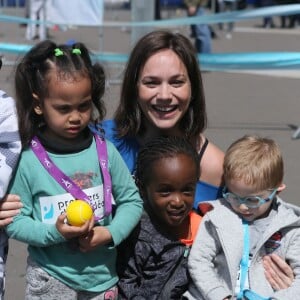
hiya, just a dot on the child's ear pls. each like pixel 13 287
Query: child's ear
pixel 281 187
pixel 37 104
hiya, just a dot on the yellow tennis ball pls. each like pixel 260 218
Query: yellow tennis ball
pixel 78 212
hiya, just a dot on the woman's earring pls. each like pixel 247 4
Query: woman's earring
pixel 38 110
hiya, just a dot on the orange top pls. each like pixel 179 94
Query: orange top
pixel 195 220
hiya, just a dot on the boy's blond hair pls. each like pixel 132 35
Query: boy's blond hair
pixel 255 160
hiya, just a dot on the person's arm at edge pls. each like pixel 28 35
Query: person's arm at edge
pixel 10 206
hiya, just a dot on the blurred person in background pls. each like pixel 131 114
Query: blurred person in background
pixel 37 10
pixel 201 32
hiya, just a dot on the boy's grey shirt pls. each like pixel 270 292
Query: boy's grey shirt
pixel 216 253
pixel 10 144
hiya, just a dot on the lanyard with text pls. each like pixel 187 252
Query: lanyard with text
pixel 67 183
pixel 245 293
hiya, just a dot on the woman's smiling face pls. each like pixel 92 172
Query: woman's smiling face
pixel 164 90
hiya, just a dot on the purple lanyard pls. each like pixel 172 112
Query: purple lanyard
pixel 67 183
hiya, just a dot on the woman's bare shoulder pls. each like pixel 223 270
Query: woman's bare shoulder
pixel 211 166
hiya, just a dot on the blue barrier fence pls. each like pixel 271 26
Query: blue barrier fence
pixel 217 62
pixel 213 61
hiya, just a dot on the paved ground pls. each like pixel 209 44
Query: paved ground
pixel 238 103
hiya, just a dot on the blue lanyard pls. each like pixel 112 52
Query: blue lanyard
pixel 246 294
pixel 245 260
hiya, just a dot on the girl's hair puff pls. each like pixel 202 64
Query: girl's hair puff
pixel 256 161
pixel 128 115
pixel 31 78
pixel 160 148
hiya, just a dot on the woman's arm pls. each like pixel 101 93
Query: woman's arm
pixel 211 165
pixel 279 274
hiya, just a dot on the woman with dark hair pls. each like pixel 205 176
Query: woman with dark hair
pixel 162 94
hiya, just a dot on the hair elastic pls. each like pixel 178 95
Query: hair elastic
pixel 76 51
pixel 58 52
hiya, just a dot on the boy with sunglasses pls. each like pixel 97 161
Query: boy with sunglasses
pixel 251 221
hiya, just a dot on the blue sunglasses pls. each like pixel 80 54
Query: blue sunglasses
pixel 249 201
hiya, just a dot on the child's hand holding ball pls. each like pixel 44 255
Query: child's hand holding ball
pixel 79 217
pixel 78 212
